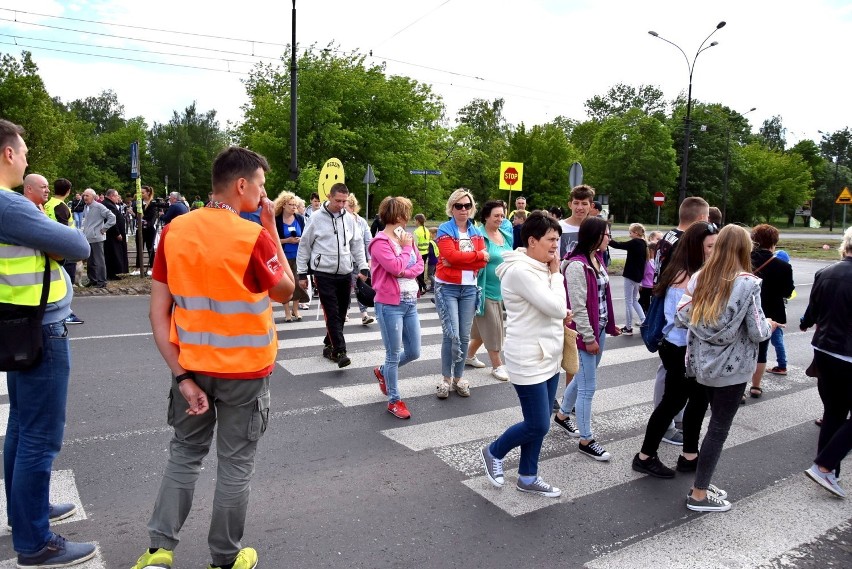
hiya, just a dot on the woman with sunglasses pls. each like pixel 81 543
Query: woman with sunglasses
pixel 721 308
pixel 590 298
pixel 693 249
pixel 462 254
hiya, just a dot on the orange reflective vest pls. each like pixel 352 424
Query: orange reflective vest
pixel 218 324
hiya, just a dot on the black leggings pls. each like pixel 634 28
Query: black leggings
pixel 677 391
pixel 724 403
pixel 835 389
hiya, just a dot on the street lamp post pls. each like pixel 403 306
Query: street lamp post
pixel 684 165
pixel 727 168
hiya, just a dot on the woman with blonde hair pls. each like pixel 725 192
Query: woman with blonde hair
pixel 634 272
pixel 290 224
pixel 462 255
pixel 721 307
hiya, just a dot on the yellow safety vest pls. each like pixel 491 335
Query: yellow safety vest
pixel 50 210
pixel 423 237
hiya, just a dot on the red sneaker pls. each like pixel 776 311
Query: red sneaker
pixel 398 409
pixel 381 378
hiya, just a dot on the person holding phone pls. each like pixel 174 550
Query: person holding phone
pixel 394 265
pixel 290 226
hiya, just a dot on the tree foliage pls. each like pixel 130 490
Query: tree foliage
pixel 622 98
pixel 773 183
pixel 772 133
pixel 547 157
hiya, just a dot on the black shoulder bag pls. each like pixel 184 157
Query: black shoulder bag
pixel 21 342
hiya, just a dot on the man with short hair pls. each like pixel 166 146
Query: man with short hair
pixel 37 395
pixel 96 220
pixel 315 205
pixel 520 205
pixel 215 275
pixel 580 204
pixel 177 207
pixel 37 190
pixel 332 248
pixel 57 210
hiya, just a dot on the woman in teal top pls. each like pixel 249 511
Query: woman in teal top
pixel 488 325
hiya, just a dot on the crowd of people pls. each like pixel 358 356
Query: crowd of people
pixel 715 295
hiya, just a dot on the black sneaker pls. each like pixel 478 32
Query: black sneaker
pixel 652 466
pixel 684 465
pixel 595 451
pixel 626 331
pixel 342 359
pixel 328 354
pixel 568 425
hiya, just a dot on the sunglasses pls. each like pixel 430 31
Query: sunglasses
pixel 461 206
pixel 712 228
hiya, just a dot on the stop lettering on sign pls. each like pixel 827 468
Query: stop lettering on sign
pixel 510 176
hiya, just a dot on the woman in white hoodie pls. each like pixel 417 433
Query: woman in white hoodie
pixel 534 295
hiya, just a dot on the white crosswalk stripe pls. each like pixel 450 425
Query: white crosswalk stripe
pixel 63 488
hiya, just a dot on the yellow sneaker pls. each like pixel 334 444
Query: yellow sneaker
pixel 246 559
pixel 160 559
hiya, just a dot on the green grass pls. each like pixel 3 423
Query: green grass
pixel 811 248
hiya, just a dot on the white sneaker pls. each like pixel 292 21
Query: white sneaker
pixel 500 373
pixel 474 362
pixel 367 319
pixel 462 387
pixel 443 390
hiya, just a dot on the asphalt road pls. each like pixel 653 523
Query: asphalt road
pixel 342 483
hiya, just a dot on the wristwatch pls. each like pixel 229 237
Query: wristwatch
pixel 184 376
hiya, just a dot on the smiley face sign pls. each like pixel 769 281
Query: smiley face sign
pixel 331 173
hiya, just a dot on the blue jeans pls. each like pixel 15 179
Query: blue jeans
pixel 580 391
pixel 400 327
pixel 777 340
pixel 33 438
pixel 529 434
pixel 456 305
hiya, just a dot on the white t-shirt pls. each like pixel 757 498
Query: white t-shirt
pixel 466 246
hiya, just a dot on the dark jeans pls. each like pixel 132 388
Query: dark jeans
pixel 334 291
pixel 835 389
pixel 536 401
pixel 33 438
pixel 645 298
pixel 678 389
pixel 724 403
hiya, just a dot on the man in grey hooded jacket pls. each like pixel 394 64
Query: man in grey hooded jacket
pixel 97 219
pixel 331 248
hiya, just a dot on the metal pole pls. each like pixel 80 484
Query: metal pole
pixel 684 165
pixel 836 166
pixel 727 167
pixel 658 216
pixel 294 165
pixel 844 216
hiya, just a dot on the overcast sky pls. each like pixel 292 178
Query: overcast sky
pixel 544 57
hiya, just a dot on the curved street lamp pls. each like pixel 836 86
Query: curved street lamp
pixel 684 165
pixel 727 167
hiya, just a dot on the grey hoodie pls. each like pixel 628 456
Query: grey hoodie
pixel 725 353
pixel 331 243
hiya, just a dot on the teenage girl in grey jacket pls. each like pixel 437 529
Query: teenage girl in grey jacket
pixel 726 323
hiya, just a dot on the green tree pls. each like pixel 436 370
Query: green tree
pixel 772 183
pixel 184 148
pixel 622 98
pixel 630 159
pixel 348 110
pixel 547 157
pixel 810 154
pixel 772 133
pixel 24 100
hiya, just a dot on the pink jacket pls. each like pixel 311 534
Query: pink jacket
pixel 386 267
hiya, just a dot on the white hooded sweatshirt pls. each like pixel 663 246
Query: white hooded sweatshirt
pixel 535 308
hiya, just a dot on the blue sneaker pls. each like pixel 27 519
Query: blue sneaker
pixel 73 319
pixel 55 513
pixel 59 552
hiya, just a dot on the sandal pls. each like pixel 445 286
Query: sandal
pixel 287 320
pixel 297 319
pixel 755 391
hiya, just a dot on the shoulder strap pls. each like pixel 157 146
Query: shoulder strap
pixel 757 270
pixel 45 287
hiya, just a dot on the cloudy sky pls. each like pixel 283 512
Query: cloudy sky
pixel 544 57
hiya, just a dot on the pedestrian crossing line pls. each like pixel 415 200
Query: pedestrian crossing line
pixel 368 393
pixel 63 488
pixel 368 336
pixel 573 473
pixel 791 512
pixel 96 562
pixel 492 423
pixel 4 418
pixel 4 386
pixel 354 323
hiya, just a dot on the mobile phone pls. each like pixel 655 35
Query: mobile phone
pixel 398 232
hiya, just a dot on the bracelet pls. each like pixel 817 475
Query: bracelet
pixel 185 376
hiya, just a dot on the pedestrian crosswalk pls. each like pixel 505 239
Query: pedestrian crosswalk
pixel 621 408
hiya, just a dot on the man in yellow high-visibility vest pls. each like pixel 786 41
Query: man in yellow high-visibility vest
pixel 37 395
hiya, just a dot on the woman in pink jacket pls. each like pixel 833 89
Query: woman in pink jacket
pixel 394 266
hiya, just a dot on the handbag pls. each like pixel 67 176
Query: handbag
pixel 652 328
pixel 570 355
pixel 21 340
pixel 365 294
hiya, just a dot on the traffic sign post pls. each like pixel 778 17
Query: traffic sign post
pixel 659 200
pixel 845 198
pixel 425 174
pixel 369 178
pixel 511 177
